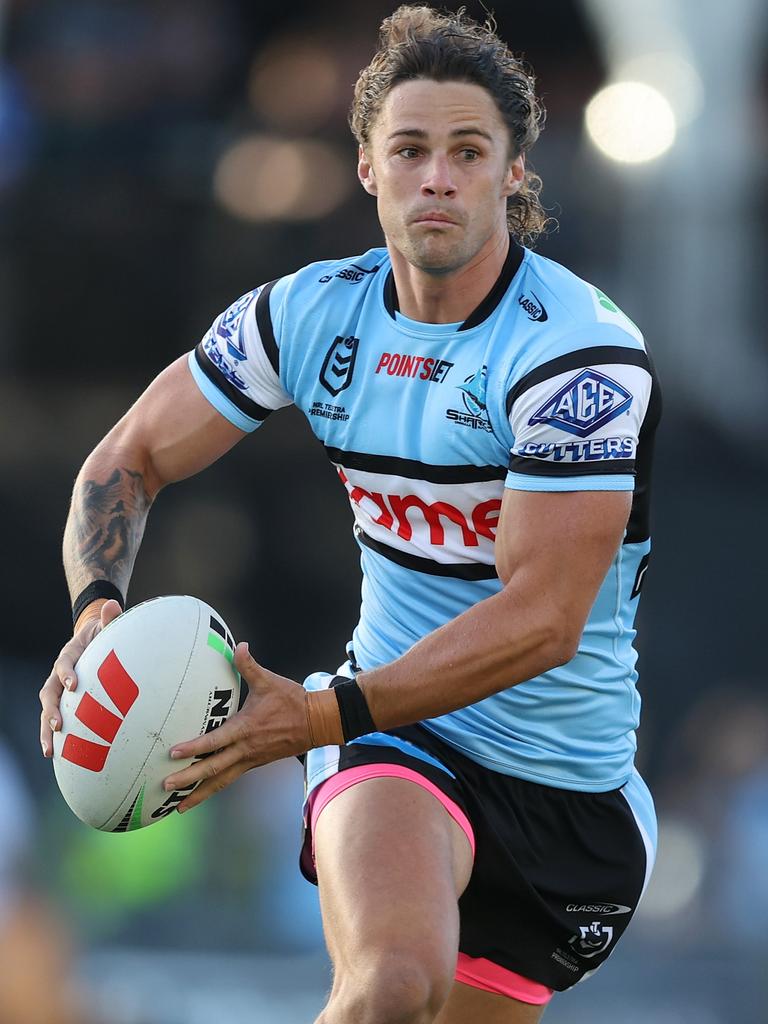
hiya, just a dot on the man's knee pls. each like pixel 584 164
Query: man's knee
pixel 396 987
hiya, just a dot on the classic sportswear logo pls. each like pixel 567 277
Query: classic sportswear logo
pixel 397 365
pixel 587 402
pixel 353 274
pixel 339 364
pixel 533 307
pixel 122 691
pixel 598 908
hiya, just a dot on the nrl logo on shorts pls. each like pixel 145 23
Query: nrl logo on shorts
pixel 339 364
pixel 592 939
pixel 587 402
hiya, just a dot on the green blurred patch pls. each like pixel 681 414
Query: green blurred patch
pixel 109 876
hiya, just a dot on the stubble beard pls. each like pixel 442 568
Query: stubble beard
pixel 434 253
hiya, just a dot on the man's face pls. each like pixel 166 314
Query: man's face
pixel 439 165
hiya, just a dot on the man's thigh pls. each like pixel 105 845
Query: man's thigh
pixel 391 864
pixel 468 1005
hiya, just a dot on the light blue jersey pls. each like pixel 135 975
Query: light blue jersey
pixel 546 387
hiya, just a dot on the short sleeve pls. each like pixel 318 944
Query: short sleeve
pixel 235 365
pixel 576 420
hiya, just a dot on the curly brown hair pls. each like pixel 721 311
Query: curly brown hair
pixel 420 42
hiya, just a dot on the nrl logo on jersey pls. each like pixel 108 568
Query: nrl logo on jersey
pixel 584 404
pixel 339 364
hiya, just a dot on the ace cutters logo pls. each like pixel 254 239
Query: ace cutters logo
pixel 587 402
pixel 339 364
pixel 123 691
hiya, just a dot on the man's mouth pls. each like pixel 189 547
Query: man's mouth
pixel 434 217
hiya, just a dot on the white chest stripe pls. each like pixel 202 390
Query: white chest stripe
pixel 447 523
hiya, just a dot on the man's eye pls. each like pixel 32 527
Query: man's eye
pixel 409 152
pixel 470 154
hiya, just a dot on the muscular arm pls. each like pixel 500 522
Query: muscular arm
pixel 170 433
pixel 552 553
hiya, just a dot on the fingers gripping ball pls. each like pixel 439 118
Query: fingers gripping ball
pixel 159 674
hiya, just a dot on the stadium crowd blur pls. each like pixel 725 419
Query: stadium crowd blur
pixel 158 158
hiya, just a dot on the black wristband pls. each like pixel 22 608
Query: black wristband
pixel 99 588
pixel 353 707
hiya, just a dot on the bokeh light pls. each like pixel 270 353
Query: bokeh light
pixel 631 122
pixel 678 873
pixel 294 84
pixel 263 178
pixel 674 76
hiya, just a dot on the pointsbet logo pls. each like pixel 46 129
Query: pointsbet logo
pixel 122 691
pixel 396 364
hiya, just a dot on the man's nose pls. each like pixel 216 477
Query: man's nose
pixel 438 180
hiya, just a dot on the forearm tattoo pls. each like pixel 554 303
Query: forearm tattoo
pixel 105 528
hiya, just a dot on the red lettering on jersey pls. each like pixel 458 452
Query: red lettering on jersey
pixel 432 513
pixel 485 518
pixel 384 518
pixel 400 365
pixel 393 512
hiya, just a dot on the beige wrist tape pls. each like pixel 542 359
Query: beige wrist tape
pixel 323 719
pixel 91 611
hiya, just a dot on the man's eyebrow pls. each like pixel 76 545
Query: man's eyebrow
pixel 420 133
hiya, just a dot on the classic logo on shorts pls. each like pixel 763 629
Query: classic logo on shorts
pixel 598 908
pixel 339 364
pixel 473 392
pixel 592 939
pixel 587 402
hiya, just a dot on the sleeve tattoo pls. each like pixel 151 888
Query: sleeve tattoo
pixel 107 522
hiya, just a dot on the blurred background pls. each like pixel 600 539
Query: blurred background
pixel 158 158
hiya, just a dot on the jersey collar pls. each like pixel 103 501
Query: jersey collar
pixel 489 303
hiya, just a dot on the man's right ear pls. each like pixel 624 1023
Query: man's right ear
pixel 365 173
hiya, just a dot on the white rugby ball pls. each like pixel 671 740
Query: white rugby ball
pixel 159 674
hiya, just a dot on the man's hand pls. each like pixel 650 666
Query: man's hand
pixel 272 724
pixel 63 673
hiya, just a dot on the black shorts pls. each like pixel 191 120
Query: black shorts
pixel 557 874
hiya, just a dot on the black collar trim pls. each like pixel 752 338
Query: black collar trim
pixel 489 303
